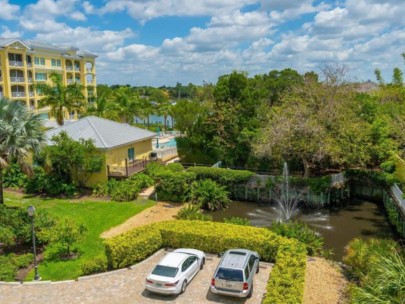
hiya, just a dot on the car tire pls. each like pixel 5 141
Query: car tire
pixel 183 287
pixel 250 292
pixel 202 264
pixel 258 268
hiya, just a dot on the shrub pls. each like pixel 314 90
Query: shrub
pixel 192 212
pixel 10 264
pixel 286 283
pixel 13 177
pixel 97 264
pixel 209 195
pixel 237 221
pixel 361 256
pixel 154 169
pixel 131 247
pixel 142 180
pixel 105 189
pixel 7 237
pixel 224 177
pixel 125 191
pixel 388 166
pixel 175 167
pixel 174 186
pixel 378 178
pixel 300 232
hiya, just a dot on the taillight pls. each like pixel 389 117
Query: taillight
pixel 171 284
pixel 212 282
pixel 245 286
pixel 149 281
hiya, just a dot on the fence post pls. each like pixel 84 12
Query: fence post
pixel 126 167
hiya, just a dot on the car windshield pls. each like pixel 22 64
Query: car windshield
pixel 230 274
pixel 165 271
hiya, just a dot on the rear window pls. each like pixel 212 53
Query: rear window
pixel 165 271
pixel 230 274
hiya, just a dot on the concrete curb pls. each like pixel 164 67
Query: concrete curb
pixel 97 275
pixel 62 282
pixel 37 283
pixel 9 283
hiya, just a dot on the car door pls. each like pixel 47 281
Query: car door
pixel 188 268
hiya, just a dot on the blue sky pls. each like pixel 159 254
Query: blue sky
pixel 160 42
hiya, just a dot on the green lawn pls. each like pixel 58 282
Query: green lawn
pixel 97 216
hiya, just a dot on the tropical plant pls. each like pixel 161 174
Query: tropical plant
pixel 102 106
pixel 21 134
pixel 209 195
pixel 14 177
pixel 238 221
pixel 301 232
pixel 126 104
pixel 192 212
pixel 60 98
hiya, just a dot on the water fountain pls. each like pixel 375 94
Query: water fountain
pixel 287 202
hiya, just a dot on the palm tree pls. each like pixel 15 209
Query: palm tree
pixel 103 107
pixel 20 133
pixel 61 98
pixel 126 104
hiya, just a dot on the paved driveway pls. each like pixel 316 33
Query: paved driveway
pixel 127 286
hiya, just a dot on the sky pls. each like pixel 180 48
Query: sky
pixel 162 42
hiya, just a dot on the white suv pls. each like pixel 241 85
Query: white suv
pixel 235 272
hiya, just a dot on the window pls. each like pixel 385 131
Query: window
pixel 165 271
pixel 247 272
pixel 131 153
pixel 39 61
pixel 230 274
pixel 40 76
pixel 56 63
pixel 252 261
pixel 188 262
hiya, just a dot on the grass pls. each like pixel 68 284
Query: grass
pixel 96 215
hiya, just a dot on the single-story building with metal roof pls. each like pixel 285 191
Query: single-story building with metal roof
pixel 126 148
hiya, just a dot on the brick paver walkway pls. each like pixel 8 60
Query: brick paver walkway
pixel 127 286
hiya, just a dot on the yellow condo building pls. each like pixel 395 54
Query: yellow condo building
pixel 25 62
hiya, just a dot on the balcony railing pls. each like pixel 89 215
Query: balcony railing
pixel 165 154
pixel 77 68
pixel 17 79
pixel 130 168
pixel 89 70
pixel 29 64
pixel 32 108
pixel 31 94
pixel 16 63
pixel 70 81
pixel 69 68
pixel 30 79
pixel 17 94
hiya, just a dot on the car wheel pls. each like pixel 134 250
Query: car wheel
pixel 183 287
pixel 250 292
pixel 202 264
pixel 257 269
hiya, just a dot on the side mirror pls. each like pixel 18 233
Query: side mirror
pixel 220 254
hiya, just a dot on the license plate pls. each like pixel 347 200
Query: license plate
pixel 229 284
pixel 159 285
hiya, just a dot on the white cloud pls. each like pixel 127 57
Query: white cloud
pixel 8 11
pixel 6 32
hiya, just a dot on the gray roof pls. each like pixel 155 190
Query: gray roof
pixel 33 45
pixel 105 133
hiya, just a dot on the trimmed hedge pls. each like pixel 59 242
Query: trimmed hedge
pixel 132 247
pixel 225 177
pixel 286 283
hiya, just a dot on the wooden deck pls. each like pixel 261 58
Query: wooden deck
pixel 130 168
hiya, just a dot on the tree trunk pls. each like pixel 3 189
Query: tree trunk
pixel 1 186
pixel 165 118
pixel 148 121
pixel 306 166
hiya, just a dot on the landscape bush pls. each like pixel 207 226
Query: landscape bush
pixel 301 232
pixel 192 212
pixel 209 195
pixel 11 263
pixel 224 177
pixel 97 264
pixel 174 186
pixel 132 247
pixel 14 177
pixel 286 282
pixel 175 167
pixel 377 178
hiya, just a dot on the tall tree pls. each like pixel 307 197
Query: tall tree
pixel 126 104
pixel 103 106
pixel 61 98
pixel 21 133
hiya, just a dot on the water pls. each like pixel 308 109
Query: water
pixel 359 218
pixel 169 144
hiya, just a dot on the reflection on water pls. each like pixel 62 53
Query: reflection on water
pixel 338 226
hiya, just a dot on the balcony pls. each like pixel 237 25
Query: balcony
pixel 18 94
pixel 89 70
pixel 1 79
pixel 69 68
pixel 32 108
pixel 31 94
pixel 29 64
pixel 30 79
pixel 77 69
pixel 70 81
pixel 1 95
pixel 14 63
pixel 17 79
pixel 130 168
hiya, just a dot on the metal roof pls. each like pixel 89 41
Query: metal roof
pixel 34 45
pixel 106 134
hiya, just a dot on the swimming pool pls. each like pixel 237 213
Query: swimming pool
pixel 168 144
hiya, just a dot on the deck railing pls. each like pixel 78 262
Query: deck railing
pixel 130 168
pixel 165 153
